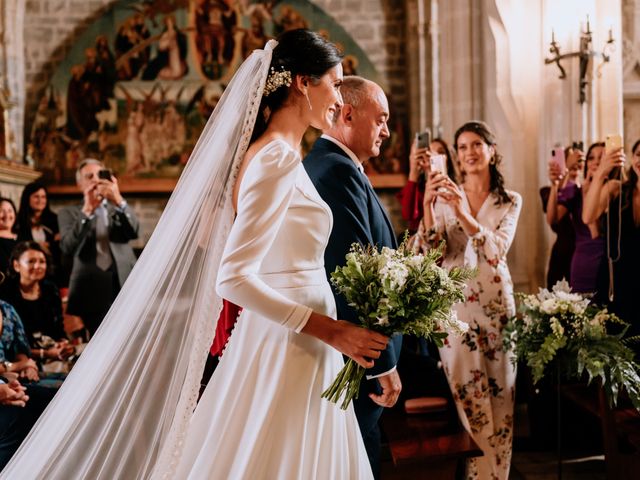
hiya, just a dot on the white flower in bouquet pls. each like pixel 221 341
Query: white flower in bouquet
pixel 394 274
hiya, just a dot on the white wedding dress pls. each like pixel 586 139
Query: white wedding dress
pixel 261 416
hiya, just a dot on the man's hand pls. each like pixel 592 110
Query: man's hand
pixel 391 388
pixel 91 199
pixel 109 189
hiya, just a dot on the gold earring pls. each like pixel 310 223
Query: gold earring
pixel 306 94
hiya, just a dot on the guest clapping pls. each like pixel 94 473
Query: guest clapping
pixel 478 221
pixel 412 195
pixel 37 302
pixel 619 201
pixel 8 235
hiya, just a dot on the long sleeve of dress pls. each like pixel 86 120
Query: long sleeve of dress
pixel 263 201
pixel 495 243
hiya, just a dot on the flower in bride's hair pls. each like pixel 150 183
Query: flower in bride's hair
pixel 276 79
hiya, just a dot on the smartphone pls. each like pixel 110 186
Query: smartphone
pixel 438 163
pixel 104 174
pixel 557 157
pixel 613 142
pixel 423 139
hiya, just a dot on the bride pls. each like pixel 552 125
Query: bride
pixel 126 410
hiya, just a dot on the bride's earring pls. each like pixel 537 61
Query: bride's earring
pixel 306 94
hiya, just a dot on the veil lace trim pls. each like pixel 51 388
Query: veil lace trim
pixel 198 359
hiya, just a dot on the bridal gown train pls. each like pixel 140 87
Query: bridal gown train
pixel 261 416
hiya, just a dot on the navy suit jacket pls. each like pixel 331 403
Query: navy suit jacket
pixel 358 217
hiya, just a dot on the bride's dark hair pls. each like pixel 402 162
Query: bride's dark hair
pixel 300 52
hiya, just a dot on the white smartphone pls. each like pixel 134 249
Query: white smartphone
pixel 438 163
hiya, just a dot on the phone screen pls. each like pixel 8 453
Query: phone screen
pixel 423 139
pixel 104 174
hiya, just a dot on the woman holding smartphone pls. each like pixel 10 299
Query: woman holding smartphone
pixel 588 265
pixel 412 195
pixel 478 221
pixel 564 246
pixel 619 201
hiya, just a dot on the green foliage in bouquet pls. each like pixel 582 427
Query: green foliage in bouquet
pixel 397 291
pixel 563 326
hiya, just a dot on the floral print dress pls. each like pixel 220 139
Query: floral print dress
pixel 481 374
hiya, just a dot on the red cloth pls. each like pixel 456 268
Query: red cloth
pixel 226 322
pixel 411 197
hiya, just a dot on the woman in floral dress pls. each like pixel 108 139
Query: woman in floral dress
pixel 478 222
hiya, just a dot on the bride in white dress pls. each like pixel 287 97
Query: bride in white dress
pixel 125 410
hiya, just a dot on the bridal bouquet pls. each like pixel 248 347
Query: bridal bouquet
pixel 559 324
pixel 397 291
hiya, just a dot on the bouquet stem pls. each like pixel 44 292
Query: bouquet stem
pixel 347 382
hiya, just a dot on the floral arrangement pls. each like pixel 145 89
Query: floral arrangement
pixel 397 291
pixel 559 324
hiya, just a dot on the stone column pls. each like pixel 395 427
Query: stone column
pixel 12 72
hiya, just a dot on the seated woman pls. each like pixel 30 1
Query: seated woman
pixel 37 301
pixel 14 347
pixel 412 195
pixel 37 222
pixel 619 201
pixel 7 234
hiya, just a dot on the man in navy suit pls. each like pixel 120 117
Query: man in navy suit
pixel 334 164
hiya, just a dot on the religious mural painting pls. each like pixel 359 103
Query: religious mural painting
pixel 139 85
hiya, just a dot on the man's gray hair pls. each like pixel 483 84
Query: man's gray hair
pixel 355 90
pixel 84 163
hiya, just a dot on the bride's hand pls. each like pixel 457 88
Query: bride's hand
pixel 357 343
pixel 360 344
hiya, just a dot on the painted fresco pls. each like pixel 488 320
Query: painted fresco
pixel 138 85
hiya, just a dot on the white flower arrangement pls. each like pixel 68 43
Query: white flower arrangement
pixel 564 327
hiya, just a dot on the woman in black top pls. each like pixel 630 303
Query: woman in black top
pixel 7 231
pixel 37 301
pixel 37 222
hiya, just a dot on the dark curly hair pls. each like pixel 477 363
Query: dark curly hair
pixel 23 219
pixel 301 52
pixel 22 247
pixel 496 180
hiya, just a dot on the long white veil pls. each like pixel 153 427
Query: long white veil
pixel 124 409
